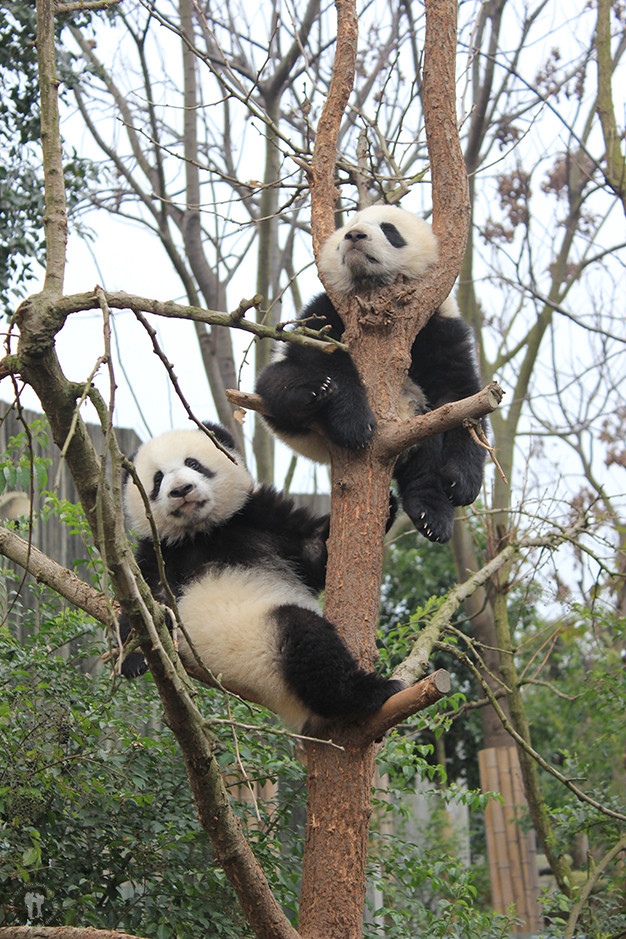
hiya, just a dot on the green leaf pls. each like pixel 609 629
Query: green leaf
pixel 32 856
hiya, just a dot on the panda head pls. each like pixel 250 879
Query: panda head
pixel 375 246
pixel 192 486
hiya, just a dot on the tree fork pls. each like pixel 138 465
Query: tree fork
pixel 338 808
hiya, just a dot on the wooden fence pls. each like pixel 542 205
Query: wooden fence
pixel 510 844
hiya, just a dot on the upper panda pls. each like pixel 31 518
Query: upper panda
pixel 304 385
pixel 246 567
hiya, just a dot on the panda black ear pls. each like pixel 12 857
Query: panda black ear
pixel 224 436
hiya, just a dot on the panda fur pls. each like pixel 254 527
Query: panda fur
pixel 246 566
pixel 304 386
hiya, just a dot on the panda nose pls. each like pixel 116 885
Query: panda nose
pixel 181 491
pixel 355 235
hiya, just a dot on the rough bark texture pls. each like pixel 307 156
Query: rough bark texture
pixel 55 217
pixel 47 571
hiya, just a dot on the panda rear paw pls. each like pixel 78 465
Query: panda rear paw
pixel 432 514
pixel 461 484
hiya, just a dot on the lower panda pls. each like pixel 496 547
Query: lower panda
pixel 304 386
pixel 246 566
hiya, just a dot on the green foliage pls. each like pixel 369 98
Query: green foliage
pixel 416 578
pixel 21 183
pixel 428 893
pixel 577 712
pixel 96 817
pixel 18 466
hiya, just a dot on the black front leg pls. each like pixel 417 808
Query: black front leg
pixel 308 386
pixel 133 664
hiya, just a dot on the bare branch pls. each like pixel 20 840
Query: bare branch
pixel 84 5
pixel 74 303
pixel 396 436
pixel 59 578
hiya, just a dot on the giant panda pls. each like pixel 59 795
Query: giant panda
pixel 246 566
pixel 304 386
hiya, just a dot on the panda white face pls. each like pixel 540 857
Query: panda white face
pixel 377 245
pixel 191 485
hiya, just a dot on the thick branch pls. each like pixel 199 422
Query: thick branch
pixel 451 206
pixel 59 578
pixel 55 216
pixel 615 164
pixel 397 436
pixel 322 171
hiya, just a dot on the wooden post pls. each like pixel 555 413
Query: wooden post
pixel 511 850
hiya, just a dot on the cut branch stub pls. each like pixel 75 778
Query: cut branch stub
pixel 402 705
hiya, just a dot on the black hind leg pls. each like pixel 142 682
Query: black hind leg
pixel 322 671
pixel 424 499
pixel 462 466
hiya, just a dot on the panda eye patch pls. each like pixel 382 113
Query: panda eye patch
pixel 158 479
pixel 392 235
pixel 198 467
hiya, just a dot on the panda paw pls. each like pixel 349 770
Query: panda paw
pixel 310 397
pixel 324 391
pixel 461 484
pixel 350 428
pixel 432 515
pixel 134 665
